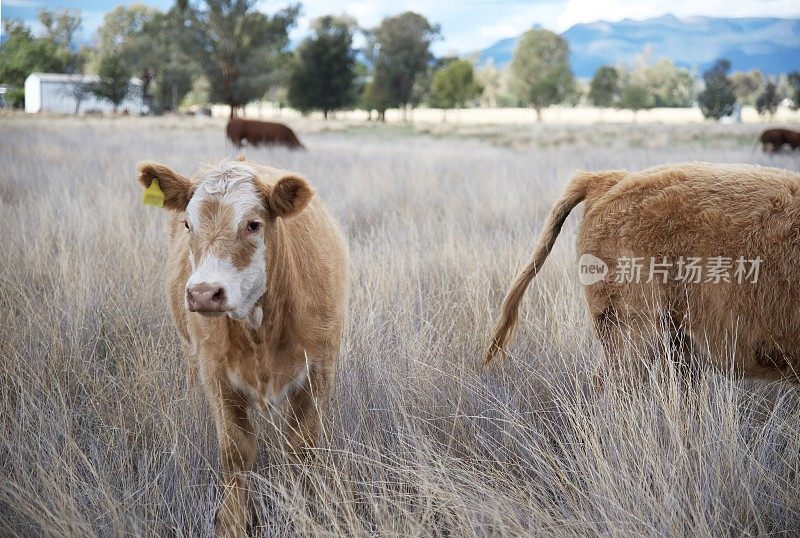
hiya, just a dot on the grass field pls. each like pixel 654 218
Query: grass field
pixel 101 434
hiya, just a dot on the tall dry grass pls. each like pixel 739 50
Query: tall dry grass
pixel 102 436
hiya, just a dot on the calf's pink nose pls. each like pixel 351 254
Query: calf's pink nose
pixel 205 297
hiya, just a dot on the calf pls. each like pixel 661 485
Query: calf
pixel 747 215
pixel 261 132
pixel 258 289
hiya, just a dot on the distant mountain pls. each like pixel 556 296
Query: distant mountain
pixel 769 44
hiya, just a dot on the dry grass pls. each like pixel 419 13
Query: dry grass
pixel 100 435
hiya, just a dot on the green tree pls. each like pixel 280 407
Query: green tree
pixel 122 34
pixel 604 89
pixel 399 50
pixel 114 82
pixel 768 100
pixel 453 84
pixel 669 85
pixel 540 70
pixel 159 48
pixel 120 25
pixel 163 52
pixel 793 80
pixel 323 75
pixel 371 99
pixel 78 91
pixel 240 47
pixel 718 98
pixel 22 54
pixel 489 79
pixel 746 86
pixel 635 95
pixel 60 26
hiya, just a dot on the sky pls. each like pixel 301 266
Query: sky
pixel 467 25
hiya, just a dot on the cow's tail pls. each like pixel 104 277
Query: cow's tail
pixel 509 313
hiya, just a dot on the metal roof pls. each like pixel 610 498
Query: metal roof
pixel 64 77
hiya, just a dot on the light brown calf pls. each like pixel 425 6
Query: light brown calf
pixel 741 217
pixel 258 289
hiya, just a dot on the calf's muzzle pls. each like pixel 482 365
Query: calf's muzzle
pixel 206 297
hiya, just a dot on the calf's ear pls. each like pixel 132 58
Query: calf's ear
pixel 289 196
pixel 177 189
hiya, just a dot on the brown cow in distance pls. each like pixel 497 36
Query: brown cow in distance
pixel 774 139
pixel 258 289
pixel 261 132
pixel 739 224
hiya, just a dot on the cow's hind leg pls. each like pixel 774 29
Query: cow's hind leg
pixel 681 350
pixel 634 342
pixel 630 343
pixel 237 450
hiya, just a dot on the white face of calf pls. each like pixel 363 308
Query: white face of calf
pixel 225 220
pixel 229 214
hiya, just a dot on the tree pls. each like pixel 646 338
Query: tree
pixel 60 26
pixel 79 91
pixel 240 46
pixel 399 50
pixel 746 86
pixel 768 100
pixel 22 54
pixel 489 79
pixel 453 85
pixel 160 48
pixel 793 79
pixel 114 80
pixel 668 85
pixel 120 25
pixel 122 34
pixel 371 99
pixel 323 75
pixel 541 73
pixel 604 89
pixel 635 95
pixel 163 51
pixel 718 98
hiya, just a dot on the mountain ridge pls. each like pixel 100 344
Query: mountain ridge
pixel 769 44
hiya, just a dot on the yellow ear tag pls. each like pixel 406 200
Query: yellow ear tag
pixel 153 195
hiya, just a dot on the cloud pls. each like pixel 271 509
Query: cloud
pixel 467 25
pixel 515 19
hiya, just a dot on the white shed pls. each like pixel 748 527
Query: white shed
pixel 67 94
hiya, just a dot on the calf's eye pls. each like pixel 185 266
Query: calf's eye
pixel 185 223
pixel 253 226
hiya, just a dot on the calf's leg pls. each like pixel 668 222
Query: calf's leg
pixel 237 450
pixel 303 414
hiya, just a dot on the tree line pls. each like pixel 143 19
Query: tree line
pixel 664 85
pixel 226 51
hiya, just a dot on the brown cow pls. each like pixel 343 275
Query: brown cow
pixel 741 217
pixel 261 132
pixel 774 139
pixel 258 289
